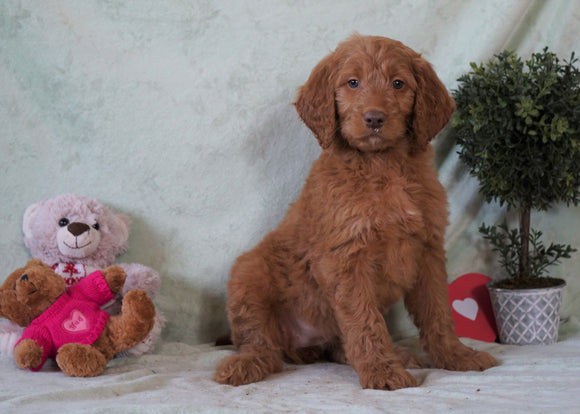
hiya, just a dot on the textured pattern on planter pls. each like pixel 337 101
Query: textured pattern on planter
pixel 527 317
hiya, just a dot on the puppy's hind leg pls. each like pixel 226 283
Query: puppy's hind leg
pixel 255 326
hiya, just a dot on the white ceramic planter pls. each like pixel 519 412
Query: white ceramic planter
pixel 527 316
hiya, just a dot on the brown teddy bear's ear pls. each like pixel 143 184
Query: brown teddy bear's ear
pixel 36 262
pixel 10 307
pixel 8 285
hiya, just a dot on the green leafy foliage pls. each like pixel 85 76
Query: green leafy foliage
pixel 518 128
pixel 507 243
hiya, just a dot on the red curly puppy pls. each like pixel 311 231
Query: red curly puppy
pixel 366 231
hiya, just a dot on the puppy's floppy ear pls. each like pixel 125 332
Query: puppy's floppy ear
pixel 434 105
pixel 316 100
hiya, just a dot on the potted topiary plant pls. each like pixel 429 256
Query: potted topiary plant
pixel 518 129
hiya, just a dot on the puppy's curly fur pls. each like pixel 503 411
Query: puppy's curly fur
pixel 366 231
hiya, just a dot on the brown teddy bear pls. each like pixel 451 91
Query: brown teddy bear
pixel 68 325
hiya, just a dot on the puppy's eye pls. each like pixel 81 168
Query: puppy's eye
pixel 353 84
pixel 398 84
pixel 96 226
pixel 63 222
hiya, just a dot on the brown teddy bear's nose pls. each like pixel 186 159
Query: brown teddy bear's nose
pixel 77 229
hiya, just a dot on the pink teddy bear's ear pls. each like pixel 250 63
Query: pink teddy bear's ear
pixel 29 215
pixel 121 228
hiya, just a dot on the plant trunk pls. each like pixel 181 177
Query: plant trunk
pixel 525 244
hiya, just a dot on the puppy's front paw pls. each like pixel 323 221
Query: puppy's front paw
pixel 383 376
pixel 465 359
pixel 477 361
pixel 245 368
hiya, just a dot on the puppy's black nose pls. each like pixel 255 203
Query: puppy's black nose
pixel 77 229
pixel 374 119
pixel 24 278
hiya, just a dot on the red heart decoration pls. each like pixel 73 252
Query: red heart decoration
pixel 471 307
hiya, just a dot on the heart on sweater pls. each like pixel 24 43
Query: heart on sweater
pixel 76 323
pixel 467 307
pixel 471 307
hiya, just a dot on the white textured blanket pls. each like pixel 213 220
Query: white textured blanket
pixel 532 379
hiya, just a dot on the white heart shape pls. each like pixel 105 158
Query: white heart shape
pixel 467 307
